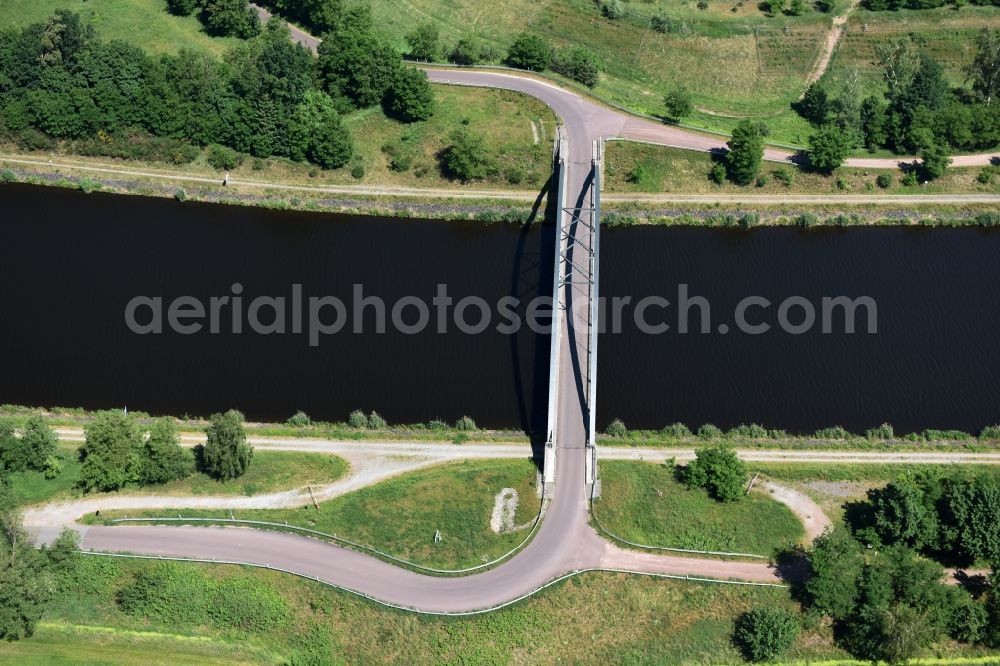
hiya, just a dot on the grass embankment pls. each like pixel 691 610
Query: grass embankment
pixel 268 472
pixel 642 168
pixel 435 431
pixel 589 619
pixel 144 23
pixel 518 131
pixel 644 503
pixel 400 516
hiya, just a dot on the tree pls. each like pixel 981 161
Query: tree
pixel 815 104
pixel 355 63
pixel 529 52
pixel 746 152
pixel 466 52
pixel 678 102
pixel 163 459
pixel 718 470
pixel 227 454
pixel 423 41
pixel 983 73
pixel 25 585
pixel 230 18
pixel 316 132
pixel 578 64
pixel 764 633
pixel 969 511
pixel 904 512
pixel 411 97
pixel 182 7
pixel 873 123
pixel 935 159
pixel 468 158
pixel 836 563
pixel 828 148
pixel 32 450
pixel 110 451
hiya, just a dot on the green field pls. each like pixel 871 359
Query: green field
pixel 644 503
pixel 145 23
pixel 401 515
pixel 269 471
pixel 639 167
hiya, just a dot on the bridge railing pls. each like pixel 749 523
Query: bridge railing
pixel 552 425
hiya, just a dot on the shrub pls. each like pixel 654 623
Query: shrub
pixel 410 97
pixel 223 158
pixel 718 470
pixel 985 176
pixel 358 171
pixel 613 9
pixel 836 432
pixel 752 431
pixel 910 179
pixel 465 424
pixel 357 419
pixel 436 424
pixel 376 422
pixel 884 431
pixel 466 52
pixel 763 633
pixel 678 102
pixel 748 220
pixel 162 458
pixel 529 52
pixel 181 7
pixel 299 419
pixel 109 453
pixel 784 176
pixel 762 180
pixel 180 194
pixel 709 431
pixel 247 604
pixel 676 430
pixel 806 220
pixel 990 432
pixel 718 174
pixel 167 592
pixel 468 158
pixel 884 181
pixel 617 429
pixel 8 176
pixel 578 64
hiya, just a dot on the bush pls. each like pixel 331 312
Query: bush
pixel 784 176
pixel 836 432
pixel 168 592
pixel 884 181
pixel 613 9
pixel 709 431
pixel 162 457
pixel 678 103
pixel 762 180
pixel 752 431
pixel 764 633
pixel 182 7
pixel 529 52
pixel 247 604
pixel 990 432
pixel 578 64
pixel 8 176
pixel 180 194
pixel 884 431
pixel 112 440
pixel 358 171
pixel 466 52
pixel 357 419
pixel 299 420
pixel 617 429
pixel 676 430
pixel 376 422
pixel 985 175
pixel 910 179
pixel 748 220
pixel 807 220
pixel 467 158
pixel 223 158
pixel 718 174
pixel 465 424
pixel 718 470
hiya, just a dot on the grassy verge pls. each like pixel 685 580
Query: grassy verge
pixel 589 619
pixel 644 503
pixel 270 471
pixel 144 23
pixel 655 439
pixel 400 516
pixel 632 167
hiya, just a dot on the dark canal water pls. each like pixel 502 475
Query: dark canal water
pixel 71 263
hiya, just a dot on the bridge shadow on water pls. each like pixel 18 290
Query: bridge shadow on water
pixel 531 278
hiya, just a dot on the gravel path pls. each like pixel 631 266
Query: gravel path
pixel 814 520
